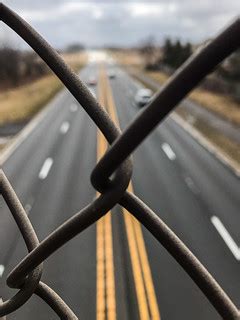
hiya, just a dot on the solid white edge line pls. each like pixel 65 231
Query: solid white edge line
pixel 168 151
pixel 206 143
pixel 45 168
pixel 226 237
pixel 64 127
pixel 2 268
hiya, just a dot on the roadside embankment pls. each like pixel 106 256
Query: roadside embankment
pixel 19 105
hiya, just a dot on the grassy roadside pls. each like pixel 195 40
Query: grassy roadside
pixel 21 104
pixel 227 146
pixel 212 101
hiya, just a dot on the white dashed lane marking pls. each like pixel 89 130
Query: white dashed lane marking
pixel 2 268
pixel 227 238
pixel 45 168
pixel 74 107
pixel 191 185
pixel 168 151
pixel 64 127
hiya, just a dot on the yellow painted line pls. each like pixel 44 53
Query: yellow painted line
pixel 106 298
pixel 100 299
pixel 152 299
pixel 111 302
pixel 147 301
pixel 100 272
pixel 136 266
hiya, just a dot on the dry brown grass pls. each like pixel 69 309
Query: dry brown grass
pixel 22 103
pixel 222 105
pixel 128 58
pixel 228 147
pixel 75 60
pixel 158 76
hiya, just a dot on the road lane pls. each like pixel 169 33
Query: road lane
pixel 162 183
pixel 64 191
pixel 195 159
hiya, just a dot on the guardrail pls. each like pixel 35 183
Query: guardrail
pixel 26 276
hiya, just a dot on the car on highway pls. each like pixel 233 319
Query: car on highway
pixel 92 81
pixel 112 74
pixel 143 97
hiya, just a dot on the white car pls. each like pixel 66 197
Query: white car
pixel 143 97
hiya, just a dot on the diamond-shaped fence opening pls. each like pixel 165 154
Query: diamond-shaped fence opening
pixel 26 276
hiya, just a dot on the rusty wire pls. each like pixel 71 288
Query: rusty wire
pixel 27 274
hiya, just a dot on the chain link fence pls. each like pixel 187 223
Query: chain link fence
pixel 117 164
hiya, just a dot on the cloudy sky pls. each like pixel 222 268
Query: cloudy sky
pixel 98 23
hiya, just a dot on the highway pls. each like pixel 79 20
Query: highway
pixel 195 110
pixel 116 269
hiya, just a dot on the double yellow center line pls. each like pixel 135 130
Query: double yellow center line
pixel 143 282
pixel 106 299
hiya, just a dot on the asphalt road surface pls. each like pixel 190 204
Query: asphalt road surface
pixel 116 269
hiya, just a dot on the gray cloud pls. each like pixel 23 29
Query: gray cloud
pixel 126 22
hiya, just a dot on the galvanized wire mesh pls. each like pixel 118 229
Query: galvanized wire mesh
pixel 115 163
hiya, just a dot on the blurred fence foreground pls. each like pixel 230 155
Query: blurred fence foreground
pixel 27 274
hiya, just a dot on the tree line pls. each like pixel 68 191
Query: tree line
pixel 18 67
pixel 173 53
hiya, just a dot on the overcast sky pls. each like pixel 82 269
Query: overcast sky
pixel 98 23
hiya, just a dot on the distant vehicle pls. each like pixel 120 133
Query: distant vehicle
pixel 143 97
pixel 92 81
pixel 112 74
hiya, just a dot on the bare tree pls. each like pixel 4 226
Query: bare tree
pixel 149 51
pixel 10 65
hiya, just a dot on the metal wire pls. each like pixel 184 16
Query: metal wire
pixel 27 274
